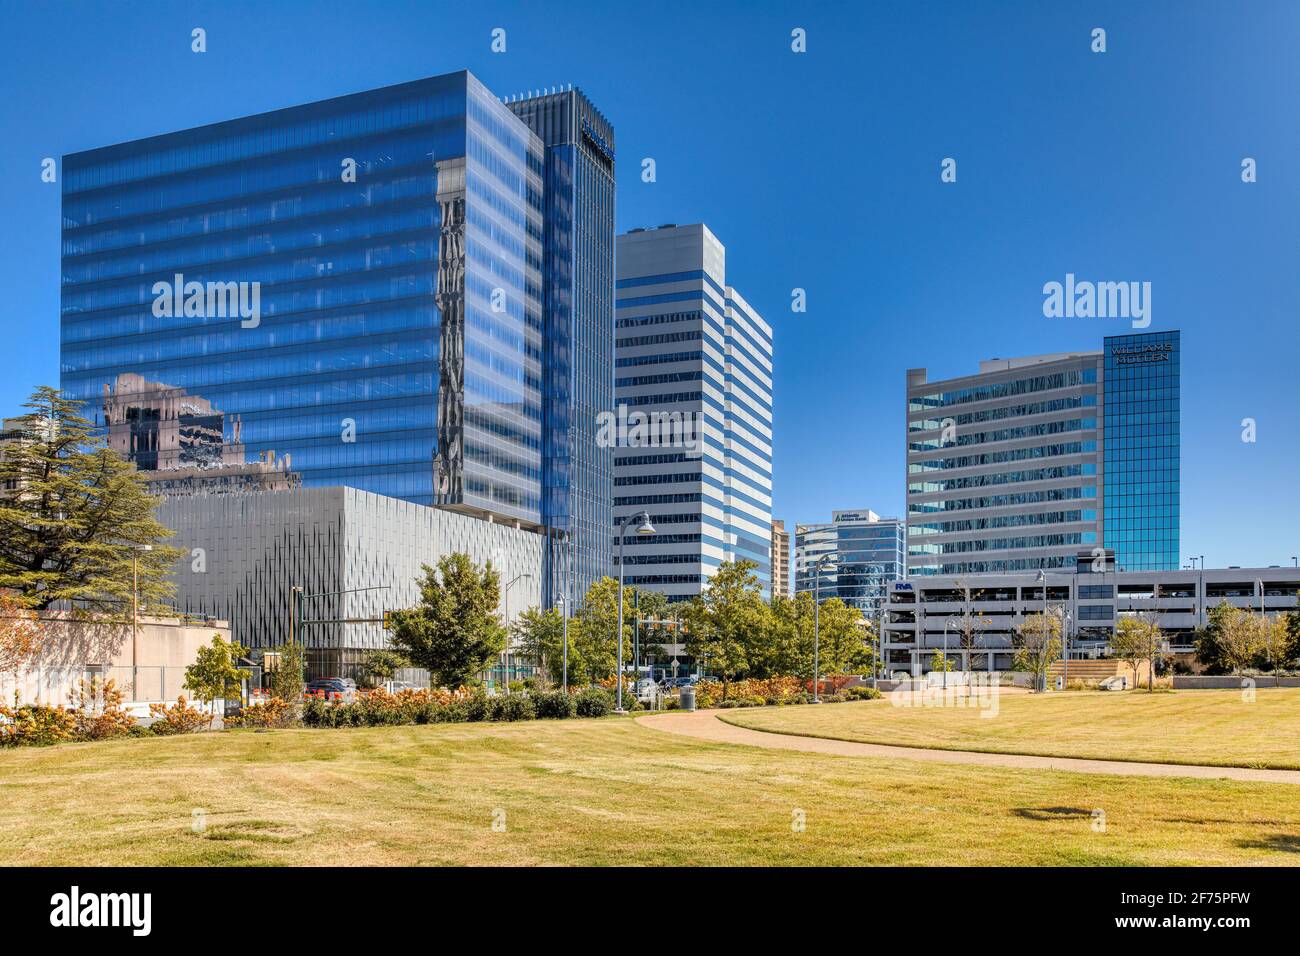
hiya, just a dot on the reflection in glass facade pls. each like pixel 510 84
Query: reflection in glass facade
pixel 1002 466
pixel 1142 450
pixel 394 239
pixel 578 306
pixel 865 554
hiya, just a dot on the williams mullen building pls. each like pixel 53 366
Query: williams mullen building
pixel 694 371
pixel 1029 461
pixel 408 292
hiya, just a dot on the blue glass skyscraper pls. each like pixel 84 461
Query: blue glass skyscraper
pixel 578 305
pixel 1142 479
pixel 422 330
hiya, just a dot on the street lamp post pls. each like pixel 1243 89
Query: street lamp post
pixel 946 624
pixel 645 528
pixel 563 601
pixel 1042 579
pixel 505 662
pixel 817 608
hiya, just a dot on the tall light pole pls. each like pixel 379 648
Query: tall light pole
pixel 946 624
pixel 817 609
pixel 1042 579
pixel 135 617
pixel 563 601
pixel 645 528
pixel 505 662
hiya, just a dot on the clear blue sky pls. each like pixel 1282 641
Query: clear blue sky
pixel 817 170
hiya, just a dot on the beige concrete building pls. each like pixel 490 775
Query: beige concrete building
pixel 147 663
pixel 780 560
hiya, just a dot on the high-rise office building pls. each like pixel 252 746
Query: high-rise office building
pixel 780 560
pixel 1020 466
pixel 398 291
pixel 578 310
pixel 854 557
pixel 693 428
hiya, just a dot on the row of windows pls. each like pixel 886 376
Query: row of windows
pixel 982 393
pixel 1006 411
pixel 978 481
pixel 1007 521
pixel 1003 501
pixel 998 457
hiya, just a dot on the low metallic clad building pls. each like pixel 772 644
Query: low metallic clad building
pixel 1091 602
pixel 860 554
pixel 247 551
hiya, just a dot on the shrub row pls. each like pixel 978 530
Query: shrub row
pixel 776 692
pixel 382 709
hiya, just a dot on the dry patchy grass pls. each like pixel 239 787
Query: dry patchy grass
pixel 598 792
pixel 1220 728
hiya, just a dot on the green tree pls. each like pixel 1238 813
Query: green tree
pixel 727 621
pixel 1293 632
pixel 216 673
pixel 1037 643
pixel 77 518
pixel 382 665
pixel 539 638
pixel 456 628
pixel 1238 638
pixel 289 675
pixel 593 632
pixel 1209 650
pixel 787 652
pixel 939 662
pixel 1139 639
pixel 845 639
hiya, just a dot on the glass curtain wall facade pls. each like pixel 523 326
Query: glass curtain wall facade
pixel 1003 466
pixel 1142 450
pixel 354 285
pixel 578 369
pixel 865 555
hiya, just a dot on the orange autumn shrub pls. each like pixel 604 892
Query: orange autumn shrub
pixel 97 710
pixel 180 718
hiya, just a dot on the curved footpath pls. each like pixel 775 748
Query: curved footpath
pixel 705 725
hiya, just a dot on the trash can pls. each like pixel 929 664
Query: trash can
pixel 688 698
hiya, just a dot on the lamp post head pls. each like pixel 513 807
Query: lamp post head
pixel 645 527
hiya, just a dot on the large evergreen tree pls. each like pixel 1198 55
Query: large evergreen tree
pixel 74 515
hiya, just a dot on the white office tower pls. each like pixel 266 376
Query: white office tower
pixel 692 423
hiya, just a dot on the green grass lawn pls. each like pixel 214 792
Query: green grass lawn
pixel 1213 727
pixel 599 792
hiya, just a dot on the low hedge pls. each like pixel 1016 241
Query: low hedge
pixel 380 709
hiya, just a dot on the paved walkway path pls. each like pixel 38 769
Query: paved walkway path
pixel 705 725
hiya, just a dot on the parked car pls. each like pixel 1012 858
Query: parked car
pixel 334 688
